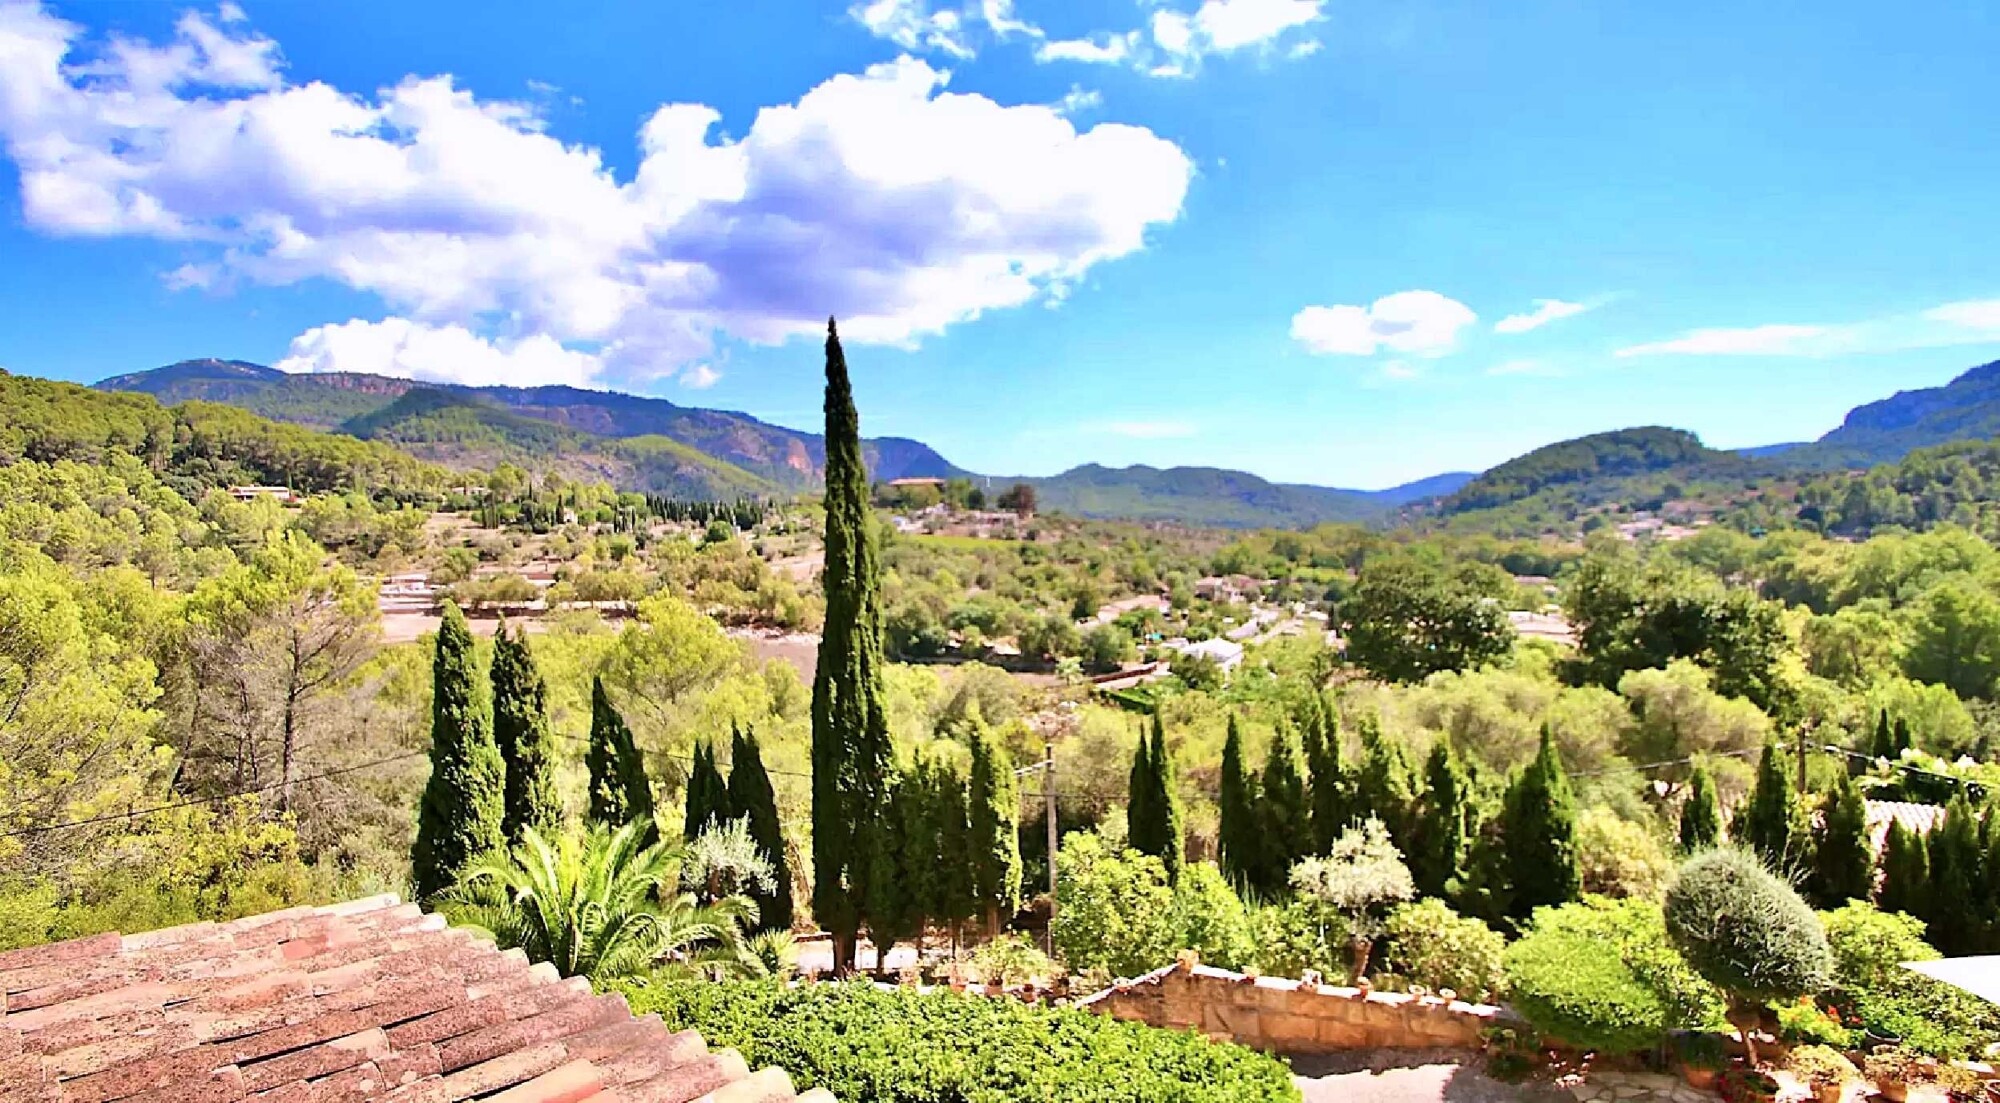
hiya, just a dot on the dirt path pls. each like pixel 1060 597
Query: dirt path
pixel 1410 1076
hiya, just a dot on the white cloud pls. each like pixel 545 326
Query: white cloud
pixel 1546 311
pixel 1968 322
pixel 700 377
pixel 440 354
pixel 912 25
pixel 1144 430
pixel 1416 323
pixel 880 197
pixel 1228 25
pixel 1099 49
pixel 1079 99
pixel 1171 43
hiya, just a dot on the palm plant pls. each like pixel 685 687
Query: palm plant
pixel 601 905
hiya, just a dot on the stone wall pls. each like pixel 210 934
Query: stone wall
pixel 1291 1016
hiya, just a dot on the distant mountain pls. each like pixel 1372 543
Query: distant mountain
pixel 1967 408
pixel 784 457
pixel 1598 456
pixel 1215 496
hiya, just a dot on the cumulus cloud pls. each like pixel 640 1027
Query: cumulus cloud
pixel 1415 323
pixel 880 197
pixel 1968 322
pixel 1171 43
pixel 1546 311
pixel 439 354
pixel 700 376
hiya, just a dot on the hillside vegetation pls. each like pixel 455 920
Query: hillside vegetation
pixel 1598 456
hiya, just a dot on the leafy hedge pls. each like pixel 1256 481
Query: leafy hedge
pixel 1581 991
pixel 875 1045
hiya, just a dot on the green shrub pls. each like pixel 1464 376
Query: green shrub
pixel 1745 930
pixel 1638 930
pixel 1873 991
pixel 1431 945
pixel 1117 911
pixel 1821 1066
pixel 879 1045
pixel 1212 920
pixel 1011 959
pixel 1804 1021
pixel 1581 991
pixel 1298 935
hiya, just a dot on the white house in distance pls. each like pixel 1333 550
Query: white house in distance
pixel 1228 654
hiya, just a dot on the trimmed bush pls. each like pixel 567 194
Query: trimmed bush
pixel 900 1046
pixel 1746 930
pixel 1581 991
pixel 1872 989
pixel 1431 945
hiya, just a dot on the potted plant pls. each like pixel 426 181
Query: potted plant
pixel 1894 1069
pixel 1824 1069
pixel 1701 1058
pixel 1960 1083
pixel 1747 1085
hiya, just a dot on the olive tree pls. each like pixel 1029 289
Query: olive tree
pixel 1361 876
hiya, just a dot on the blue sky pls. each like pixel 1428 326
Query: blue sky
pixel 1341 243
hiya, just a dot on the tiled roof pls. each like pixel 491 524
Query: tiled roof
pixel 370 1000
pixel 1916 818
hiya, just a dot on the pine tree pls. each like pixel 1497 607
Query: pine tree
pixel 1843 856
pixel 751 796
pixel 1282 813
pixel 1540 834
pixel 1386 786
pixel 1236 835
pixel 463 804
pixel 852 756
pixel 1701 814
pixel 1950 906
pixel 1331 787
pixel 993 842
pixel 1770 815
pixel 1445 824
pixel 527 746
pixel 619 790
pixel 1906 872
pixel 707 794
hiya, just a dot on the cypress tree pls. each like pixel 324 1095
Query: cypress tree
pixel 1540 834
pixel 1770 814
pixel 1283 815
pixel 851 753
pixel 1445 824
pixel 1140 830
pixel 1950 906
pixel 751 796
pixel 1843 856
pixel 1906 872
pixel 901 874
pixel 1885 738
pixel 1156 823
pixel 527 746
pixel 1904 741
pixel 619 790
pixel 464 801
pixel 707 794
pixel 993 831
pixel 1386 786
pixel 1331 787
pixel 1236 836
pixel 1701 814
pixel 957 890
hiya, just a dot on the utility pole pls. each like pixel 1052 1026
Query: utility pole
pixel 1049 816
pixel 1805 739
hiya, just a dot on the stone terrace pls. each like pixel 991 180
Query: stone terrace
pixel 370 1000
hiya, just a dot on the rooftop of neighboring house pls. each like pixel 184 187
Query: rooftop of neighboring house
pixel 369 1000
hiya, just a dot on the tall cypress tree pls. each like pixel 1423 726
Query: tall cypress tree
pixel 1283 815
pixel 1156 821
pixel 1445 824
pixel 1141 832
pixel 619 790
pixel 707 794
pixel 1701 813
pixel 993 841
pixel 956 890
pixel 527 746
pixel 1386 786
pixel 1906 872
pixel 1770 815
pixel 1331 791
pixel 465 799
pixel 901 875
pixel 751 796
pixel 1843 856
pixel 1540 834
pixel 1904 740
pixel 1950 907
pixel 1885 738
pixel 851 753
pixel 1236 835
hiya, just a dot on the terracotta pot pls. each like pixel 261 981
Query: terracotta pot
pixel 1699 1079
pixel 1829 1093
pixel 1895 1091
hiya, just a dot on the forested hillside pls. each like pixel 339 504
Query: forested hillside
pixel 1584 459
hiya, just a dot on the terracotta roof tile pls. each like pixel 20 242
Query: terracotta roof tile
pixel 363 1001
